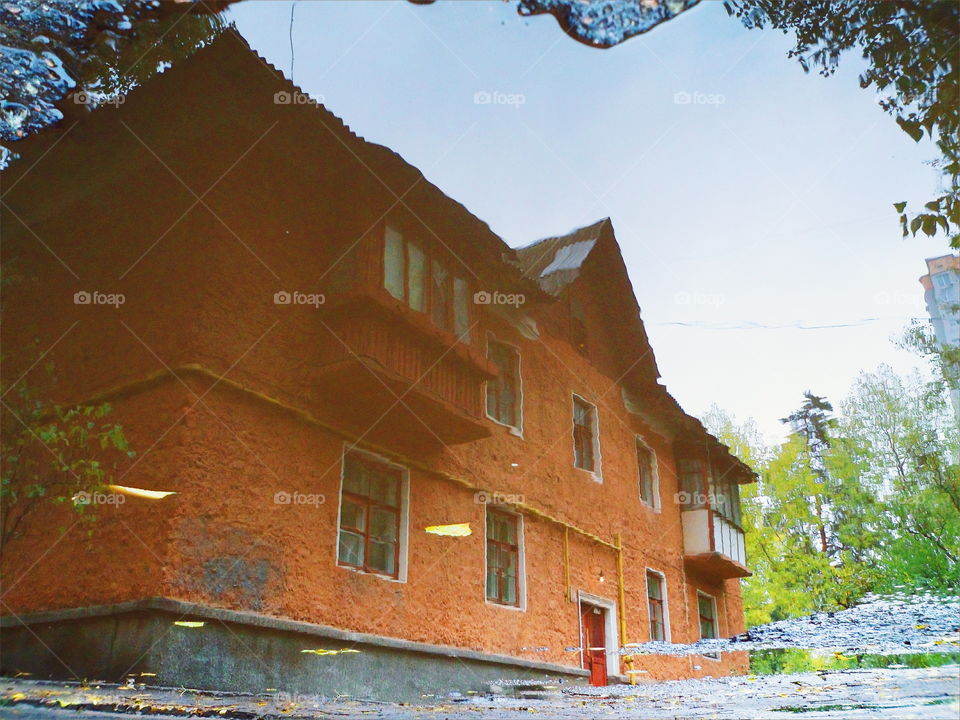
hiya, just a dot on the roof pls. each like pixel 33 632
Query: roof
pixel 247 87
pixel 555 262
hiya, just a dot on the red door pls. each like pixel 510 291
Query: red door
pixel 593 642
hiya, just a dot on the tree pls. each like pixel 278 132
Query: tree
pixel 901 434
pixel 944 360
pixel 911 51
pixel 812 422
pixel 862 501
pixel 49 453
pixel 791 576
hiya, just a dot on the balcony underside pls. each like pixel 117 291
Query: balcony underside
pixel 716 565
pixel 372 396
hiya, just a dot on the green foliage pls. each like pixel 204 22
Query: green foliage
pixel 51 454
pixel 864 501
pixel 919 338
pixel 791 660
pixel 910 47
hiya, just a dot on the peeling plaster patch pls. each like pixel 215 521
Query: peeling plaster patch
pixel 228 565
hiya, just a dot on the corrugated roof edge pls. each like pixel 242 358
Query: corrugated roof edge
pixel 503 246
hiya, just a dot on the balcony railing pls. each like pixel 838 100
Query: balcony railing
pixel 388 366
pixel 713 545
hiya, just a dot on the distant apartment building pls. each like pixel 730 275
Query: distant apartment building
pixel 941 286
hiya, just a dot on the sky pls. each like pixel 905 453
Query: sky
pixel 752 202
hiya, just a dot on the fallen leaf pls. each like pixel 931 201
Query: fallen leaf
pixel 140 492
pixel 454 530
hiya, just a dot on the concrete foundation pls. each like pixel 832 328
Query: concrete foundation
pixel 246 652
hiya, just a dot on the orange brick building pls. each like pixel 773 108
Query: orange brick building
pixel 322 356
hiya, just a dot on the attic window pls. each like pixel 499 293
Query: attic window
pixel 578 326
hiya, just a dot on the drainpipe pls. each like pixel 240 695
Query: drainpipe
pixel 622 602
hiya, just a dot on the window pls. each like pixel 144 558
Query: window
pixel 693 493
pixel 440 296
pixel 503 557
pixel 370 505
pixel 503 393
pixel 707 608
pixel 585 438
pixel 461 308
pixel 726 499
pixel 393 263
pixel 656 604
pixel 578 326
pixel 412 276
pixel 649 481
pixel 416 270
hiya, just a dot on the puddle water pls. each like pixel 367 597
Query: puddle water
pixel 605 23
pixel 95 49
pixel 898 624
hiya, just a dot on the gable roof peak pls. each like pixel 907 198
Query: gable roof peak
pixel 555 262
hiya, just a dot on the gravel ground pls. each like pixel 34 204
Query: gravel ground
pixel 930 693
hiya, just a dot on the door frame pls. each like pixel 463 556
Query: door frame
pixel 610 631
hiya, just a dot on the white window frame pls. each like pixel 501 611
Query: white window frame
pixel 404 532
pixel 518 428
pixel 597 473
pixel 655 483
pixel 521 605
pixel 667 635
pixel 716 621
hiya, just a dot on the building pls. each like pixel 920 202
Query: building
pixel 337 369
pixel 941 291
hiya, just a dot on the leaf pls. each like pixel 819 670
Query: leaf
pixel 141 493
pixel 900 206
pixel 454 530
pixel 911 128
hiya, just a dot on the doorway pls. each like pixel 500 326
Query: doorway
pixel 593 640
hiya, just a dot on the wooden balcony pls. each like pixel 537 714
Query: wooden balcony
pixel 386 366
pixel 713 545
